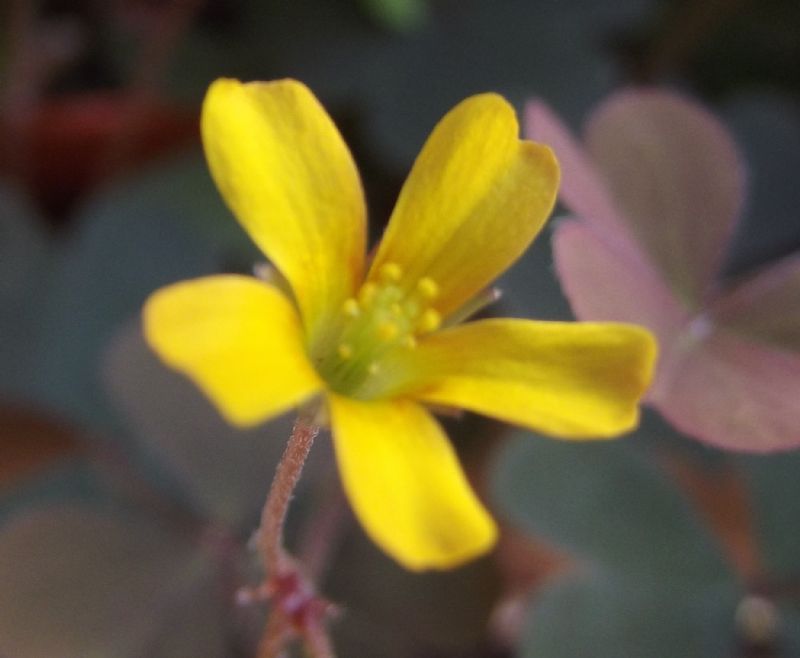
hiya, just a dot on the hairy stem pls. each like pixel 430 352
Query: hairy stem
pixel 273 516
pixel 295 609
pixel 317 642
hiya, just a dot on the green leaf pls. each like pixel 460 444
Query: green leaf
pixel 603 616
pixel 790 632
pixel 775 490
pixel 609 506
pixel 24 247
pixel 136 236
pixel 400 15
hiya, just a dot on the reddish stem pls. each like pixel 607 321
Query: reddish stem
pixel 295 608
pixel 273 516
pixel 276 634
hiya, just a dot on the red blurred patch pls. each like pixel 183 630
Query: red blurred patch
pixel 30 442
pixel 722 499
pixel 67 146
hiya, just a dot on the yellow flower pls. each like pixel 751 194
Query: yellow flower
pixel 377 341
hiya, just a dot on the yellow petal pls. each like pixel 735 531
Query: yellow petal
pixel 570 380
pixel 286 174
pixel 238 339
pixel 473 202
pixel 406 486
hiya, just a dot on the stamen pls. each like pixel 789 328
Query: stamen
pixel 428 288
pixel 390 272
pixel 387 331
pixel 429 321
pixel 351 308
pixel 384 316
pixel 367 293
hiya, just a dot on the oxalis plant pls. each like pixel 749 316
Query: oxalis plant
pixel 368 346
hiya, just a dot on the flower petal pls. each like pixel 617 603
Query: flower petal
pixel 583 189
pixel 406 486
pixel 676 175
pixel 473 202
pixel 286 174
pixel 238 339
pixel 567 379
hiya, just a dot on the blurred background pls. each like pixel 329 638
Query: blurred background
pixel 126 504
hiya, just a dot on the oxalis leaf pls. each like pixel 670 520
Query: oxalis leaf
pixel 133 238
pixel 400 15
pixel 599 615
pixel 23 267
pixel 608 506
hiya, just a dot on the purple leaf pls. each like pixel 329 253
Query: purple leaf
pixel 583 189
pixel 731 391
pixel 676 176
pixel 766 306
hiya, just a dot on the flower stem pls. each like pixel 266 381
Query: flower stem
pixel 295 608
pixel 273 516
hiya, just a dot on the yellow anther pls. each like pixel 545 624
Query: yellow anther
pixel 390 272
pixel 429 321
pixel 396 310
pixel 387 331
pixel 367 293
pixel 373 368
pixel 345 351
pixel 409 342
pixel 428 288
pixel 351 308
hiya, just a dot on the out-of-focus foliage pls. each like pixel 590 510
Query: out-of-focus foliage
pixel 128 239
pixel 401 15
pixel 649 577
pixel 652 576
pixel 396 88
pixel 24 246
pixel 767 129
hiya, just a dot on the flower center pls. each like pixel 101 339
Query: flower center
pixel 383 318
